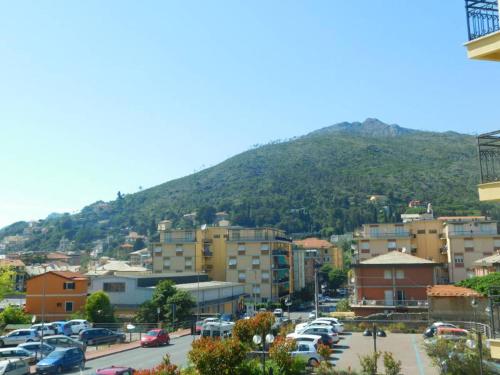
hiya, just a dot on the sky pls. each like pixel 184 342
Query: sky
pixel 98 97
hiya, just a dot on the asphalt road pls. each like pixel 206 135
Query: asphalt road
pixel 141 358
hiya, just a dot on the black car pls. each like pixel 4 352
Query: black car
pixel 95 336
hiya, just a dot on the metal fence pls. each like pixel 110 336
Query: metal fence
pixel 482 17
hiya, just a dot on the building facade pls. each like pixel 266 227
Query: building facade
pixel 56 295
pixel 393 281
pixel 454 242
pixel 260 258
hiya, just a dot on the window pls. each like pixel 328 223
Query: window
pixel 216 235
pixel 265 275
pixel 497 243
pixel 421 231
pixel 68 306
pixel 328 259
pixel 188 262
pixel 114 287
pixel 69 285
pixel 400 274
pixel 59 304
pixel 388 274
pixel 255 261
pixel 242 276
pixel 179 250
pixel 365 245
pixel 256 289
pixel 433 231
pixel 264 247
pixel 166 262
pixel 391 244
pixel 241 248
pixel 459 260
pixel 232 261
pixel 157 251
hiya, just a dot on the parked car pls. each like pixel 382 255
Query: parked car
pixel 314 339
pixel 337 324
pixel 432 329
pixel 61 359
pixel 19 336
pixel 155 337
pixel 62 341
pixel 63 328
pixel 37 349
pixel 14 366
pixel 94 336
pixel 44 329
pixel 78 325
pixel 17 353
pixel 318 330
pixel 312 314
pixel 115 370
pixel 454 334
pixel 307 351
pixel 278 313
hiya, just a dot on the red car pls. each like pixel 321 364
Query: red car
pixel 155 337
pixel 115 370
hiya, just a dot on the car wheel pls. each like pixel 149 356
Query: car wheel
pixel 82 365
pixel 313 362
pixel 59 369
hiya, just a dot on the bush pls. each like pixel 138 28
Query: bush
pixel 343 305
pixel 164 368
pixel 368 363
pixel 14 315
pixel 398 328
pixel 217 357
pixel 280 353
pixel 392 367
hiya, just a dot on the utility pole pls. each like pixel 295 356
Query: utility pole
pixel 375 357
pixel 316 301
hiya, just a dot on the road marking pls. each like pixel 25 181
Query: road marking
pixel 420 365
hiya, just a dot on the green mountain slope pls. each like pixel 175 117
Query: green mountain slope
pixel 319 181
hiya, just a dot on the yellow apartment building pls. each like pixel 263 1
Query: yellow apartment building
pixel 455 242
pixel 258 257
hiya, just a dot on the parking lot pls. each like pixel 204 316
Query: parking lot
pixel 405 347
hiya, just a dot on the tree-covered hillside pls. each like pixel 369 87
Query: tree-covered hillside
pixel 320 181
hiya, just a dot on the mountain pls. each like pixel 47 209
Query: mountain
pixel 320 181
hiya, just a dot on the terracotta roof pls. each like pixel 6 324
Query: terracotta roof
pixel 56 255
pixel 396 257
pixel 11 263
pixel 451 291
pixel 66 274
pixel 313 243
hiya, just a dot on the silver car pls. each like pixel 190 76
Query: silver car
pixel 63 341
pixel 19 336
pixel 307 351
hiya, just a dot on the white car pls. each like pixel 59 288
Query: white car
pixel 78 325
pixel 314 339
pixel 312 315
pixel 14 366
pixel 19 336
pixel 321 330
pixel 307 351
pixel 339 326
pixel 278 313
pixel 44 329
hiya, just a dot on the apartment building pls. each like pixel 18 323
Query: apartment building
pixel 261 258
pixel 455 242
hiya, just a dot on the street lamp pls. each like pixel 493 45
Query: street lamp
pixel 474 305
pixel 257 340
pixel 288 303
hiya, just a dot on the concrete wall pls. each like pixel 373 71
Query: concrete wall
pixel 457 309
pixel 131 296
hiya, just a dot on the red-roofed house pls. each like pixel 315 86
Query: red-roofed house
pixel 55 295
pixel 450 302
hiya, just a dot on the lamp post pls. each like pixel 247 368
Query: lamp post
pixel 257 340
pixel 474 305
pixel 288 303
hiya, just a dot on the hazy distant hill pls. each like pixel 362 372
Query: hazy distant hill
pixel 320 180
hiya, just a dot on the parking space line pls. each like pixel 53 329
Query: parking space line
pixel 420 365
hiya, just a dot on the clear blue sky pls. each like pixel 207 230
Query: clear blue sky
pixel 101 96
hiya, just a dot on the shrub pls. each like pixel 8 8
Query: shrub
pixel 392 367
pixel 280 353
pixel 14 315
pixel 368 363
pixel 164 368
pixel 343 305
pixel 217 357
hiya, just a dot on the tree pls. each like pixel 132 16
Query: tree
pixel 337 278
pixel 183 302
pixel 163 291
pixel 206 214
pixel 7 276
pixel 280 352
pixel 14 315
pixel 139 244
pixel 98 308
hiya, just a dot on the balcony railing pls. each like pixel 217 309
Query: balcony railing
pixel 482 17
pixel 385 303
pixel 258 238
pixel 489 156
pixel 385 234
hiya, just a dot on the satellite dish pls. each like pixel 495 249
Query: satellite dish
pixel 204 227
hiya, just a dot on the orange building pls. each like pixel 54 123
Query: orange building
pixel 56 294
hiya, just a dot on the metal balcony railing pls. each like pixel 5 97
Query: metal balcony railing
pixel 401 234
pixel 482 17
pixel 395 303
pixel 489 156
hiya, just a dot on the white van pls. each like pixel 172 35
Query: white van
pixel 216 329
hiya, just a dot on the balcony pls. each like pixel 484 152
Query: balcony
pixel 489 164
pixel 265 237
pixel 422 304
pixel 372 235
pixel 483 30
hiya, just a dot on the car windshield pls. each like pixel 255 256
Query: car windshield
pixel 152 333
pixel 56 354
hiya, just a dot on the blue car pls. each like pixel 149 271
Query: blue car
pixel 61 359
pixel 63 328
